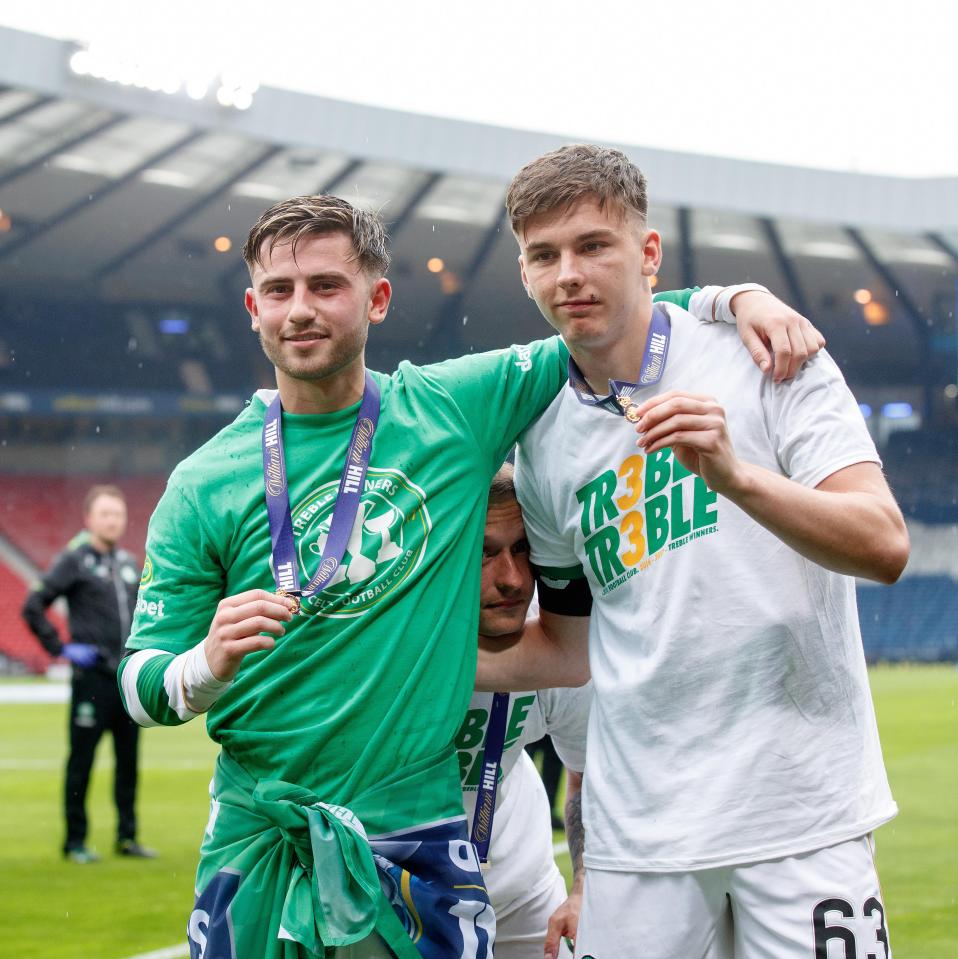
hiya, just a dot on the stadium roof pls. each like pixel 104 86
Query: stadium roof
pixel 116 195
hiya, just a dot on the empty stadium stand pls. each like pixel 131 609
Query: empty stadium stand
pixel 17 643
pixel 40 514
pixel 915 620
pixel 922 469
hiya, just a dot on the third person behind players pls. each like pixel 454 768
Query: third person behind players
pixel 524 883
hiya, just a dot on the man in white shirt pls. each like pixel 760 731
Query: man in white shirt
pixel 735 773
pixel 524 883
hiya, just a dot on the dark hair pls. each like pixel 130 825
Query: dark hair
pixel 302 216
pixel 560 178
pixel 503 487
pixel 95 492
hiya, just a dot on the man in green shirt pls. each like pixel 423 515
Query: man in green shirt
pixel 336 706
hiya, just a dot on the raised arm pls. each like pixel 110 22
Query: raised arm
pixel 160 689
pixel 779 339
pixel 849 522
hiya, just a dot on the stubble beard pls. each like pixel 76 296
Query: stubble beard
pixel 312 369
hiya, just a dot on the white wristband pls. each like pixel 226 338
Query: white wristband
pixel 190 684
pixel 723 302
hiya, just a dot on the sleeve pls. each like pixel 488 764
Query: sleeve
pixel 721 310
pixel 183 581
pixel 58 581
pixel 567 722
pixel 685 298
pixel 548 549
pixel 501 392
pixel 815 423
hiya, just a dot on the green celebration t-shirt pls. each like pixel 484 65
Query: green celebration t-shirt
pixel 377 672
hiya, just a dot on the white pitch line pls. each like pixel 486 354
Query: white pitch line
pixel 25 765
pixel 34 692
pixel 558 848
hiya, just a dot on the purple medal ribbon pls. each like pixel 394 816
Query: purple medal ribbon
pixel 653 366
pixel 285 565
pixel 489 781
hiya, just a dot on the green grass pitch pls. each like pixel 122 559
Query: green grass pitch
pixel 51 909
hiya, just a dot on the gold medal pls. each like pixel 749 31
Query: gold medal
pixel 297 603
pixel 629 408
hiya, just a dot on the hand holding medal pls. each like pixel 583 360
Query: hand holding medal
pixel 238 627
pixel 694 426
pixel 296 604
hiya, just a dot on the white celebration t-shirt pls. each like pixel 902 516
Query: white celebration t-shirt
pixel 732 719
pixel 521 862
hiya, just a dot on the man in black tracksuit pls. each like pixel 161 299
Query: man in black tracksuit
pixel 100 585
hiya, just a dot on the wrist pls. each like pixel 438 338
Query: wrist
pixel 724 302
pixel 192 686
pixel 742 483
pixel 219 666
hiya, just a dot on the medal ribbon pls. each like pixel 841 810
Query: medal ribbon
pixel 489 780
pixel 653 366
pixel 285 565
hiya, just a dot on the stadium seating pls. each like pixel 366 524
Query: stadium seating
pixel 922 469
pixel 916 620
pixel 40 514
pixel 17 643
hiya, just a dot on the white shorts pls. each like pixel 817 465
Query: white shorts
pixel 825 904
pixel 521 926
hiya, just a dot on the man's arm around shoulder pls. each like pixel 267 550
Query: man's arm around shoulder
pixel 549 651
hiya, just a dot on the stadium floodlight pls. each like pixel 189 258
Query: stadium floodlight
pixel 827 250
pixel 80 63
pixel 731 241
pixel 166 74
pixel 875 313
pixel 174 325
pixel 897 411
pixel 197 87
pixel 242 99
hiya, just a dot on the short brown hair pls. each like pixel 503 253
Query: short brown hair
pixel 302 216
pixel 562 177
pixel 95 492
pixel 503 486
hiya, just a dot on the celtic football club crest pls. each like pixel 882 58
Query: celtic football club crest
pixel 387 542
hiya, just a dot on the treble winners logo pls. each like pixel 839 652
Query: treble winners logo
pixel 387 542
